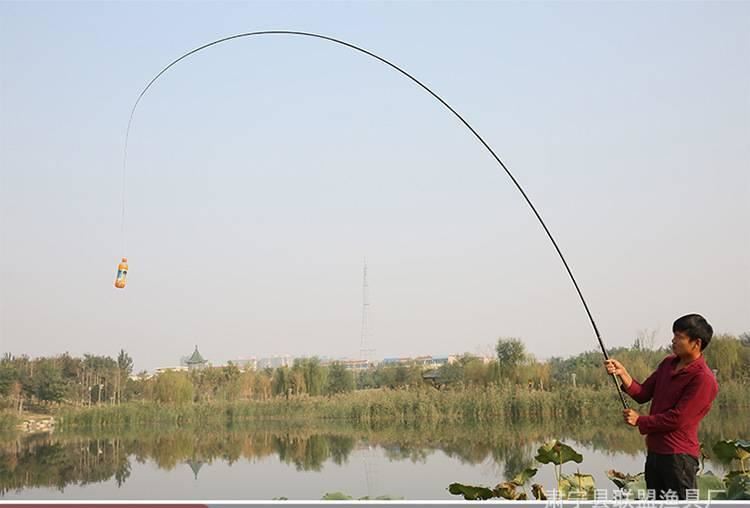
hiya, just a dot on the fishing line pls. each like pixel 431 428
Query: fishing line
pixel 423 86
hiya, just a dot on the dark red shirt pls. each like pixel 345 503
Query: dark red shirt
pixel 680 400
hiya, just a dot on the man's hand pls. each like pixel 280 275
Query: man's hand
pixel 615 367
pixel 630 416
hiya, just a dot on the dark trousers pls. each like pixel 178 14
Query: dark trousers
pixel 671 472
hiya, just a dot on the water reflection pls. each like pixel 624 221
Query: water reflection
pixel 83 459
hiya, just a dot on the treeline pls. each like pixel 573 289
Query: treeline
pixel 101 380
pixel 81 381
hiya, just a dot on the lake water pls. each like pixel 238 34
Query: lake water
pixel 303 460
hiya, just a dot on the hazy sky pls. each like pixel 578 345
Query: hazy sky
pixel 261 173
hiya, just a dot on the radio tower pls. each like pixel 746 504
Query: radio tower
pixel 364 353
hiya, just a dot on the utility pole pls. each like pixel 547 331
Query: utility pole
pixel 364 353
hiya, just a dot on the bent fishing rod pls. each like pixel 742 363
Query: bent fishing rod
pixel 421 85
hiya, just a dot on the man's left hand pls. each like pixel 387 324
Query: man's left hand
pixel 630 416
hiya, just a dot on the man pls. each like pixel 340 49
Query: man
pixel 681 391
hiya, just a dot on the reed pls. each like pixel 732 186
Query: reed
pixel 495 403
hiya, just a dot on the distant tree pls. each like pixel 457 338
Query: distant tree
pixel 48 382
pixel 134 389
pixel 339 379
pixel 122 373
pixel 726 354
pixel 8 376
pixel 247 384
pixel 476 372
pixel 451 373
pixel 230 384
pixel 173 388
pixel 281 381
pixel 511 353
pixel 385 376
pixel 262 385
pixel 207 383
pixel 408 375
pixel 645 339
pixel 297 380
pixel 125 363
pixel 541 374
pixel 16 395
pixel 99 378
pixel 315 376
pixel 366 379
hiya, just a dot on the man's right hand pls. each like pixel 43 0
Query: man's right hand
pixel 615 367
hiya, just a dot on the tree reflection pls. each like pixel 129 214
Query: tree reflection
pixel 63 459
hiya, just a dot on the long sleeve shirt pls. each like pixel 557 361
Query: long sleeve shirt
pixel 679 400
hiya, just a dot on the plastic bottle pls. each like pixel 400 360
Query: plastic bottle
pixel 122 274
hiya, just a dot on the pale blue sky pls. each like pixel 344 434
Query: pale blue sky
pixel 261 172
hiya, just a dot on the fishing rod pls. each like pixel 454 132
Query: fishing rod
pixel 423 86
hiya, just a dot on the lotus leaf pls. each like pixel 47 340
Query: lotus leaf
pixel 538 492
pixel 524 476
pixel 626 481
pixel 577 486
pixel 335 496
pixel 557 453
pixel 709 482
pixel 728 450
pixel 469 492
pixel 506 490
pixel 738 485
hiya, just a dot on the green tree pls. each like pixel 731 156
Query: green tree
pixel 511 353
pixel 366 379
pixel 281 381
pixel 385 376
pixel 99 375
pixel 48 381
pixel 8 376
pixel 297 379
pixel 263 384
pixel 726 354
pixel 339 379
pixel 173 388
pixel 451 373
pixel 315 376
pixel 408 375
pixel 125 363
pixel 230 383
pixel 476 372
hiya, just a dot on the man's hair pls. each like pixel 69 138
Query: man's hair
pixel 696 327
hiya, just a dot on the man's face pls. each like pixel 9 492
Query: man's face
pixel 682 345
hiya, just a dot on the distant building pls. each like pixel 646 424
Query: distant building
pixel 405 360
pixel 196 361
pixel 245 363
pixel 426 362
pixel 484 359
pixel 275 362
pixel 162 370
pixel 439 361
pixel 354 365
pixel 143 376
